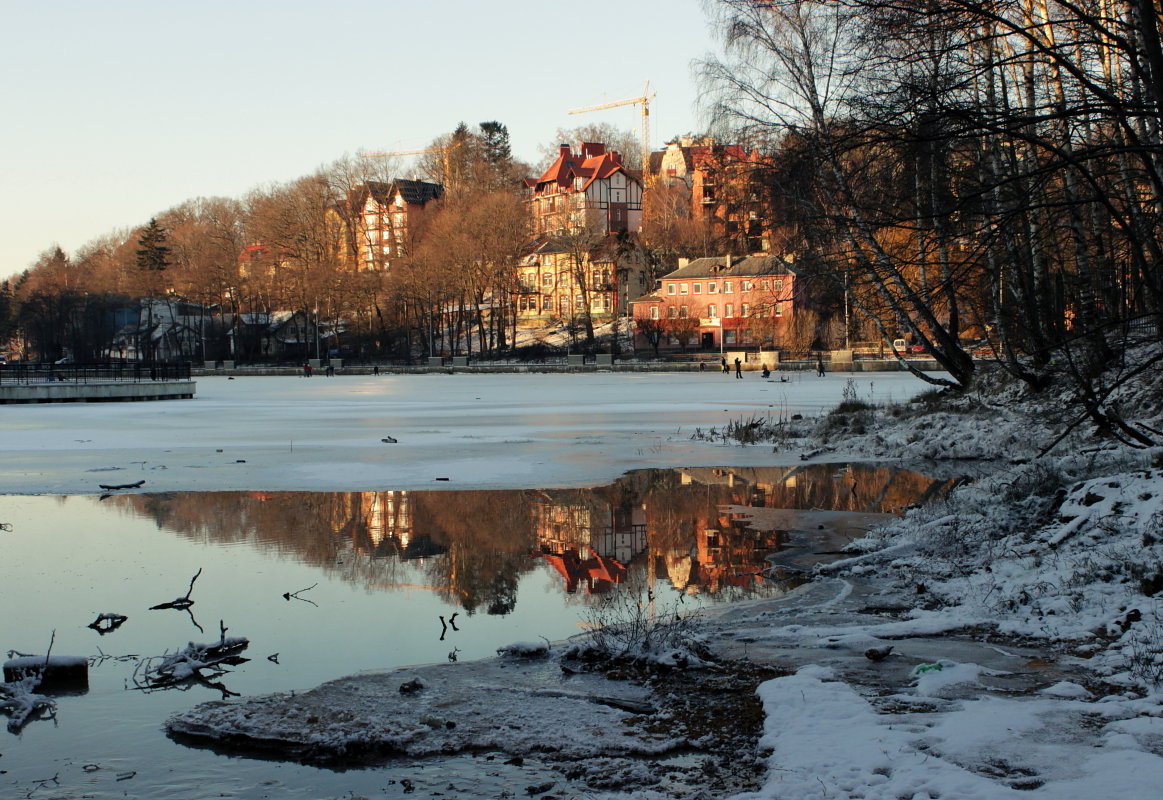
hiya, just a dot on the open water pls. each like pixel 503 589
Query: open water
pixel 329 584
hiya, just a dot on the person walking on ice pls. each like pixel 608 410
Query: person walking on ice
pixel 819 365
pixel 738 369
pixel 726 369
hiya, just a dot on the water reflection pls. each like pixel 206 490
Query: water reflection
pixel 703 530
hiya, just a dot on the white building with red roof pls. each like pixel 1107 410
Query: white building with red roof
pixel 591 190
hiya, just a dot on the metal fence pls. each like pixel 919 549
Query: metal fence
pixel 122 372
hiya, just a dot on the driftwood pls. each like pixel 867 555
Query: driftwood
pixel 183 602
pixel 289 595
pixel 195 664
pixel 107 623
pixel 115 487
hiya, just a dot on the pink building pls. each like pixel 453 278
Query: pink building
pixel 728 301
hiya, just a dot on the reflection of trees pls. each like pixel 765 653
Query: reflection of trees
pixel 474 546
pixel 487 536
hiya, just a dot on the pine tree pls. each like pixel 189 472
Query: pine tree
pixel 152 253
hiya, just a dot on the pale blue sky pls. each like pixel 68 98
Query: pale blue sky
pixel 115 111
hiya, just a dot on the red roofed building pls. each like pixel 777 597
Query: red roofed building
pixel 588 191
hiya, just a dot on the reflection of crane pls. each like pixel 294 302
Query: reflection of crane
pixel 642 100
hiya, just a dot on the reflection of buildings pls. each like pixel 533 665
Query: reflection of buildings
pixel 690 526
pixel 586 538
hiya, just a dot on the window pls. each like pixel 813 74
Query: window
pixel 697 288
pixel 744 286
pixel 670 288
pixel 682 312
pixel 712 311
pixel 547 304
pixel 779 309
pixel 778 286
pixel 578 303
pixel 766 286
pixel 712 288
pixel 682 288
pixel 654 312
pixel 547 279
pixel 726 287
pixel 728 337
pixel 743 309
pixel 671 312
pixel 729 310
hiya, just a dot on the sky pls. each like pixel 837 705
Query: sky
pixel 114 112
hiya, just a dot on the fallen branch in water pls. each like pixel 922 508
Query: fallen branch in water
pixel 195 663
pixel 115 487
pixel 289 595
pixel 181 602
pixel 107 623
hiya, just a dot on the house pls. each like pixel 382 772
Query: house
pixel 590 191
pixel 159 330
pixel 724 301
pixel 382 218
pixel 720 182
pixel 563 277
pixel 274 336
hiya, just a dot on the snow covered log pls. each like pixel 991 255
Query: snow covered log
pixel 22 704
pixel 55 673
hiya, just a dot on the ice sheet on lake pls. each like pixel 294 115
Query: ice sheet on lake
pixel 478 431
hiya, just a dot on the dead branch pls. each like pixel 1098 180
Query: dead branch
pixel 107 623
pixel 289 595
pixel 181 602
pixel 116 487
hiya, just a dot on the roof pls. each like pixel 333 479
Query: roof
pixel 593 163
pixel 704 156
pixel 601 250
pixel 384 192
pixel 716 267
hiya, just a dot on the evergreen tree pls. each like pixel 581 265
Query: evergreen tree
pixel 497 150
pixel 152 252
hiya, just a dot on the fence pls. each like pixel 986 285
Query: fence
pixel 112 372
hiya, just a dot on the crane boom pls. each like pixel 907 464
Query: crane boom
pixel 642 100
pixel 390 153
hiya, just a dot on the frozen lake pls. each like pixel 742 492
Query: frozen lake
pixel 476 431
pixel 227 478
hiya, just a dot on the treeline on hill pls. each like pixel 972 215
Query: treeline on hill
pixel 450 291
pixel 990 167
pixel 67 305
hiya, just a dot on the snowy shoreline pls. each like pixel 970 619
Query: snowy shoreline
pixel 1031 598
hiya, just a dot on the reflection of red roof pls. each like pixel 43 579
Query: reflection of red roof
pixel 599 573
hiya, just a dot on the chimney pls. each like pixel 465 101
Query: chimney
pixel 563 149
pixel 590 149
pixel 682 262
pixel 686 141
pixel 727 261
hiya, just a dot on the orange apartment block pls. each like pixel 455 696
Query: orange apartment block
pixel 720 179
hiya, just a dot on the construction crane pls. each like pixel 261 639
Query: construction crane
pixel 642 100
pixel 389 153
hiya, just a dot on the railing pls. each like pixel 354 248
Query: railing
pixel 123 372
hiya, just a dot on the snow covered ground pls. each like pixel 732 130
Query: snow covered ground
pixel 1024 612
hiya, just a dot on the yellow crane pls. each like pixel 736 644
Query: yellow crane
pixel 642 100
pixel 389 153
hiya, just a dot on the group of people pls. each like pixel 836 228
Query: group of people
pixel 765 372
